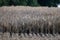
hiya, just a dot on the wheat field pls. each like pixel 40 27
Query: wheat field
pixel 38 23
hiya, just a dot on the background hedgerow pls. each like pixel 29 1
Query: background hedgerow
pixel 29 2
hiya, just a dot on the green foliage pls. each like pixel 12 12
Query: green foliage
pixel 5 2
pixel 1 2
pixel 23 2
pixel 48 2
pixel 29 2
pixel 32 3
pixel 15 2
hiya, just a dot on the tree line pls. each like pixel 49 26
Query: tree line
pixel 29 2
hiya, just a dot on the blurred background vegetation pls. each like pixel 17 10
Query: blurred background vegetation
pixel 29 2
